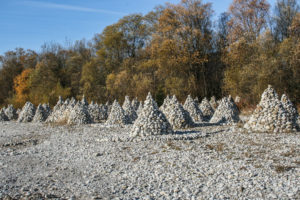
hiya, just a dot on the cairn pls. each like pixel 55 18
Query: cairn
pixel 206 109
pixel 226 113
pixel 177 116
pixel 11 112
pixel 79 114
pixel 151 121
pixel 40 114
pixel 140 109
pixel 135 104
pixel 97 112
pixel 27 113
pixel 270 115
pixel 193 109
pixel 108 107
pixel 47 110
pixel 117 115
pixel 60 112
pixel 129 110
pixel 165 104
pixel 290 108
pixel 213 102
pixel 3 116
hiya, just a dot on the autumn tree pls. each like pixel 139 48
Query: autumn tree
pixel 22 87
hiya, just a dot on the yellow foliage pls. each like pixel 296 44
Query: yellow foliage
pixel 22 87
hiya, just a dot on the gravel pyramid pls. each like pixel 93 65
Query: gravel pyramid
pixel 206 109
pixel 151 121
pixel 84 102
pixel 117 115
pixel 270 115
pixel 193 109
pixel 129 110
pixel 27 113
pixel 165 104
pixel 196 100
pixel 108 107
pixel 226 113
pixel 135 104
pixel 57 115
pixel 177 116
pixel 47 110
pixel 3 116
pixel 11 112
pixel 40 114
pixel 79 114
pixel 97 112
pixel 213 102
pixel 290 108
pixel 140 109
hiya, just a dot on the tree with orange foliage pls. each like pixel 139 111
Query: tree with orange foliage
pixel 22 87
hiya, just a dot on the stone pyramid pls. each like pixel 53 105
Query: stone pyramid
pixel 151 121
pixel 108 107
pixel 206 109
pixel 40 114
pixel 47 110
pixel 58 111
pixel 165 104
pixel 129 110
pixel 135 104
pixel 11 112
pixel 79 114
pixel 3 116
pixel 84 102
pixel 196 100
pixel 27 113
pixel 193 109
pixel 117 115
pixel 177 116
pixel 213 102
pixel 270 115
pixel 97 112
pixel 226 113
pixel 289 107
pixel 140 108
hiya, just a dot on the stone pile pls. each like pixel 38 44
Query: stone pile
pixel 165 103
pixel 11 112
pixel 135 104
pixel 108 107
pixel 226 113
pixel 213 102
pixel 47 110
pixel 140 109
pixel 270 115
pixel 290 108
pixel 117 115
pixel 3 116
pixel 193 109
pixel 206 109
pixel 151 121
pixel 97 112
pixel 27 113
pixel 177 116
pixel 40 114
pixel 129 110
pixel 196 100
pixel 58 114
pixel 80 114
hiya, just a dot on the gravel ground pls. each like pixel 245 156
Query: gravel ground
pixel 95 161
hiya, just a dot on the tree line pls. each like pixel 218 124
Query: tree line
pixel 174 49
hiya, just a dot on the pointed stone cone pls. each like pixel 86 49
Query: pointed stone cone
pixel 108 107
pixel 290 108
pixel 270 115
pixel 226 113
pixel 84 101
pixel 47 110
pixel 165 104
pixel 193 109
pixel 206 109
pixel 135 104
pixel 79 115
pixel 27 113
pixel 151 121
pixel 40 114
pixel 213 102
pixel 11 112
pixel 140 108
pixel 117 115
pixel 129 110
pixel 177 116
pixel 3 116
pixel 196 100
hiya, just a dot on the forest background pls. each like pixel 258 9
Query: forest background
pixel 175 49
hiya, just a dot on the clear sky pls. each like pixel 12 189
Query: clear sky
pixel 30 23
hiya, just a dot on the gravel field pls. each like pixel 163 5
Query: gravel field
pixel 42 161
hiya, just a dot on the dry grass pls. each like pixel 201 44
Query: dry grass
pixel 217 147
pixel 282 168
pixel 171 145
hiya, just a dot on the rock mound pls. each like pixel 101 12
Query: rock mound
pixel 270 115
pixel 3 116
pixel 177 116
pixel 191 106
pixel 27 113
pixel 40 114
pixel 213 102
pixel 165 104
pixel 206 109
pixel 151 121
pixel 79 114
pixel 117 115
pixel 226 113
pixel 129 110
pixel 289 107
pixel 135 104
pixel 140 109
pixel 11 112
pixel 97 112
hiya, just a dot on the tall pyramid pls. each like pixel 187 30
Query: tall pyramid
pixel 206 109
pixel 226 113
pixel 193 109
pixel 79 114
pixel 11 112
pixel 129 110
pixel 290 108
pixel 27 113
pixel 165 103
pixel 135 104
pixel 40 114
pixel 270 115
pixel 3 116
pixel 177 116
pixel 151 121
pixel 117 115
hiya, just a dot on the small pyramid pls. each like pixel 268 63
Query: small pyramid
pixel 129 110
pixel 40 114
pixel 151 121
pixel 58 115
pixel 140 108
pixel 79 115
pixel 226 113
pixel 289 107
pixel 177 116
pixel 11 112
pixel 97 112
pixel 193 109
pixel 165 104
pixel 47 110
pixel 3 116
pixel 117 115
pixel 206 109
pixel 196 100
pixel 270 115
pixel 213 102
pixel 108 107
pixel 135 104
pixel 27 113
pixel 84 101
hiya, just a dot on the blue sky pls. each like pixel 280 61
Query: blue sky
pixel 30 23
